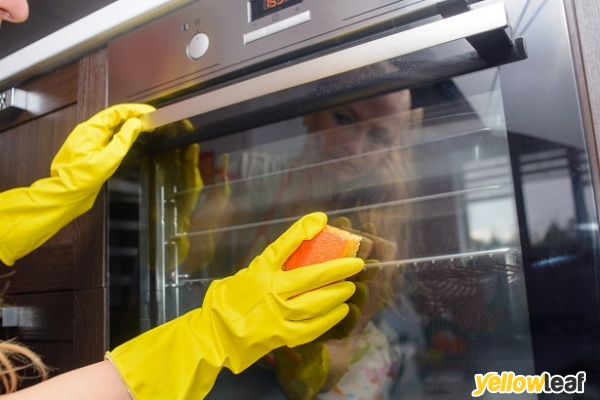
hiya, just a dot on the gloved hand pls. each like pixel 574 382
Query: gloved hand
pixel 303 370
pixel 242 318
pixel 306 370
pixel 89 156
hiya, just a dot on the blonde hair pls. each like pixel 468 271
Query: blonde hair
pixel 14 359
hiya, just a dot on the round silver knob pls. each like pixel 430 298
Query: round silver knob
pixel 197 46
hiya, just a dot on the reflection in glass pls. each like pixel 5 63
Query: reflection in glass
pixel 430 183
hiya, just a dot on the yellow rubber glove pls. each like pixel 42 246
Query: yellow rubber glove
pixel 90 155
pixel 306 370
pixel 303 370
pixel 243 317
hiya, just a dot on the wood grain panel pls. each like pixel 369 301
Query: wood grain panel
pixel 50 268
pixel 90 256
pixel 58 355
pixel 74 321
pixel 583 17
pixel 27 150
pixel 46 94
pixel 44 316
pixel 91 326
pixel 93 84
pixel 588 21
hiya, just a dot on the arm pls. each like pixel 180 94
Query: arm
pixel 99 381
pixel 90 155
pixel 243 317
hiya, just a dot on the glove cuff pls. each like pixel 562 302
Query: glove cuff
pixel 176 360
pixel 109 359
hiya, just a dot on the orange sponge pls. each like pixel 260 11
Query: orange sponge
pixel 329 244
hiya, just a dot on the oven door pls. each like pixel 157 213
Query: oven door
pixel 467 170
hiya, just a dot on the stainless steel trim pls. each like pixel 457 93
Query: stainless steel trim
pixel 435 33
pixel 19 317
pixel 399 263
pixel 345 211
pixel 12 100
pixel 451 257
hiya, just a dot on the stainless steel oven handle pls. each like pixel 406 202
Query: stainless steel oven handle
pixel 432 34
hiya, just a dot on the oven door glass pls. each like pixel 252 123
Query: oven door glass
pixel 470 208
pixel 429 184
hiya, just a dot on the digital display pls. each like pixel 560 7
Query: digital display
pixel 262 8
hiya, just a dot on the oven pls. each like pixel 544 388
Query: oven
pixel 448 133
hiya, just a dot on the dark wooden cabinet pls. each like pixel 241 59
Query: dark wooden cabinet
pixel 59 290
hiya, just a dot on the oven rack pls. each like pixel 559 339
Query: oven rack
pixel 477 132
pixel 345 211
pixel 467 264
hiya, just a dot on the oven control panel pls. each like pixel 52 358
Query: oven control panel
pixel 208 39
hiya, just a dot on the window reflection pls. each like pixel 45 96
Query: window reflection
pixel 553 218
pixel 492 219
